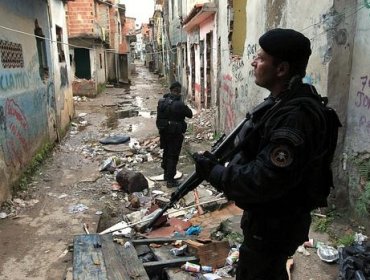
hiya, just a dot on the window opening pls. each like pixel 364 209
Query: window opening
pixel 41 51
pixel 60 46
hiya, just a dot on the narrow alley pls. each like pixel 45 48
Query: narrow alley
pixel 72 189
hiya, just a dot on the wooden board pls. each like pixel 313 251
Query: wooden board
pixel 98 257
pixel 212 254
pixel 88 261
pixel 161 177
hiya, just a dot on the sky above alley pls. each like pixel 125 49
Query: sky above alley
pixel 142 10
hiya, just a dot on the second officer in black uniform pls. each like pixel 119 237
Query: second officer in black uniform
pixel 171 114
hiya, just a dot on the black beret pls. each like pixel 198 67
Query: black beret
pixel 175 85
pixel 286 44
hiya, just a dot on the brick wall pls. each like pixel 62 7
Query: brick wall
pixel 80 18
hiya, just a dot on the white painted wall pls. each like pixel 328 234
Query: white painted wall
pixel 238 92
pixel 62 74
pixel 358 121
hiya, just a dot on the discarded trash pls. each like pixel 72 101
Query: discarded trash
pixel 127 244
pixel 211 276
pixel 224 271
pixel 193 230
pixel 77 208
pixel 115 139
pixel 108 164
pixel 360 238
pixel 191 267
pixel 301 249
pixel 122 228
pixel 354 262
pixel 309 243
pixel 98 212
pixel 3 215
pixel 157 192
pixel 179 251
pixel 233 256
pixel 327 253
pixel 206 268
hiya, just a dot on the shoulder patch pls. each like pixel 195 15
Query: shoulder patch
pixel 291 135
pixel 281 156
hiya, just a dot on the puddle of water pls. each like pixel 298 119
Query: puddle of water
pixel 147 115
pixel 122 114
pixel 139 101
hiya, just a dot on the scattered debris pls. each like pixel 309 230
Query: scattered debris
pixel 354 262
pixel 115 139
pixel 131 181
pixel 327 253
pixel 78 208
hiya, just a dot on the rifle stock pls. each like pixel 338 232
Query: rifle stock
pixel 221 150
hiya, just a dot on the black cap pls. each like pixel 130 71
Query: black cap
pixel 286 44
pixel 175 85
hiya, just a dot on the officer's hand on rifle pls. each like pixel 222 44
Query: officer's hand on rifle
pixel 204 163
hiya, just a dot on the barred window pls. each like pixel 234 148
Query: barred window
pixel 11 54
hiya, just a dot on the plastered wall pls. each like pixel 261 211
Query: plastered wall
pixel 338 68
pixel 33 108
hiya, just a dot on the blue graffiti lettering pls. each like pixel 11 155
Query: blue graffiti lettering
pixel 14 81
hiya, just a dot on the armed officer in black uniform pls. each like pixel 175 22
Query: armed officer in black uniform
pixel 171 113
pixel 281 170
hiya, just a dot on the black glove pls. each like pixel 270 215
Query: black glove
pixel 204 164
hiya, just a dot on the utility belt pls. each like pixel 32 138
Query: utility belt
pixel 174 122
pixel 176 127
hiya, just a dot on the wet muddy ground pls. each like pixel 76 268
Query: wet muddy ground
pixel 35 237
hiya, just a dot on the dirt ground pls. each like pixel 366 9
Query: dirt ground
pixel 34 240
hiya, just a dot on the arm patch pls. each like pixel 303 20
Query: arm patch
pixel 281 155
pixel 287 135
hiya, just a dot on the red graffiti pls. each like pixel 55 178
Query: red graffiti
pixel 17 125
pixel 197 87
pixel 228 103
pixel 227 77
pixel 12 109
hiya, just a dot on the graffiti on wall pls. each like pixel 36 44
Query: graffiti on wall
pixel 64 76
pixel 14 125
pixel 228 99
pixel 312 78
pixel 18 79
pixel 251 50
pixel 236 69
pixel 362 102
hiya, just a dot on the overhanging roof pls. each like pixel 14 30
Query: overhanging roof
pixel 198 14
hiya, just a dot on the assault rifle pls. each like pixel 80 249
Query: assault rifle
pixel 221 150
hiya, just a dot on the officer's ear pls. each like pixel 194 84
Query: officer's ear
pixel 283 69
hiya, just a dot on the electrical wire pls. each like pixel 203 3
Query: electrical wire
pixel 354 8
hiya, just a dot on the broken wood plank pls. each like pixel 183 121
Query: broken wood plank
pixel 178 274
pixel 115 267
pixel 169 263
pixel 129 258
pixel 88 260
pixel 161 240
pixel 211 254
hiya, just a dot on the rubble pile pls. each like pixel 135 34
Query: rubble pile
pixel 201 126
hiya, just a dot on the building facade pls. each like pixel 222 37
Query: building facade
pixel 36 102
